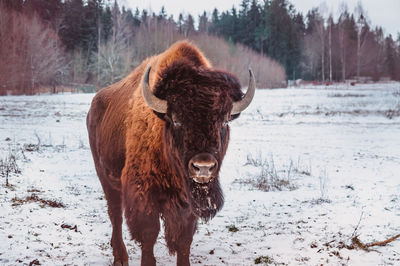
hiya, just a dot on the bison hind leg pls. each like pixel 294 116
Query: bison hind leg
pixel 114 203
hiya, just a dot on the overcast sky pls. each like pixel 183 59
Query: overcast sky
pixel 385 13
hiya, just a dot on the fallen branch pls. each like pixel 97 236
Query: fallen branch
pixel 357 243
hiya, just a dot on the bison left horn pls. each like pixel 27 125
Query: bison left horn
pixel 151 100
pixel 239 106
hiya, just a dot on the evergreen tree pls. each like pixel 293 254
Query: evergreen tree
pixel 390 57
pixel 71 32
pixel 189 26
pixel 145 17
pixel 106 24
pixel 235 25
pixel 398 57
pixel 253 22
pixel 136 18
pixel 180 23
pixel 91 25
pixel 280 30
pixel 214 27
pixel 203 23
pixel 162 16
pixel 262 31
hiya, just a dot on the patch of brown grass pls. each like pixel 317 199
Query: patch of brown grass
pixel 35 198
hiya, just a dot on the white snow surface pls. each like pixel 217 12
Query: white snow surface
pixel 338 146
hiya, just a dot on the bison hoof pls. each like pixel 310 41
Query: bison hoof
pixel 118 263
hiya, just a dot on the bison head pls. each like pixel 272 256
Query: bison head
pixel 197 104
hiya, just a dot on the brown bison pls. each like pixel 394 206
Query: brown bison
pixel 158 138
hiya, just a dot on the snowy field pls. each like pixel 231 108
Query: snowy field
pixel 329 156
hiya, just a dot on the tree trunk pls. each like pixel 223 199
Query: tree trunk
pixel 330 51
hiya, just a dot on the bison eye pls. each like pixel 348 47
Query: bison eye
pixel 176 123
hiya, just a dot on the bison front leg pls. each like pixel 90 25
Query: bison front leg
pixel 144 228
pixel 179 235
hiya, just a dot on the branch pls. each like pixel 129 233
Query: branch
pixel 357 243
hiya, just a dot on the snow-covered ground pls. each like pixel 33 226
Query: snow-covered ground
pixel 334 151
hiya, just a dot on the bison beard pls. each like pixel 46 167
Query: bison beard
pixel 206 199
pixel 158 142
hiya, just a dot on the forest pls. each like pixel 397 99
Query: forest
pixel 91 44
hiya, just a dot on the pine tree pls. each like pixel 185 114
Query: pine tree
pixel 106 24
pixel 398 57
pixel 390 57
pixel 189 26
pixel 214 27
pixel 71 32
pixel 162 15
pixel 203 23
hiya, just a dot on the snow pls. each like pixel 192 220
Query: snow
pixel 339 146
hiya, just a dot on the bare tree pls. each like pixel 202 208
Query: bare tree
pixel 361 16
pixel 30 53
pixel 321 33
pixel 342 37
pixel 114 59
pixel 330 22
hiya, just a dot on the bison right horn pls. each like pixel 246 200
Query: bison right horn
pixel 239 106
pixel 151 100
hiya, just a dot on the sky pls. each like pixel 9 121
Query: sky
pixel 384 13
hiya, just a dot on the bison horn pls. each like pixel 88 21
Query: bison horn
pixel 239 106
pixel 151 100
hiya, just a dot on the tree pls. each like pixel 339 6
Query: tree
pixel 48 11
pixel 71 32
pixel 330 25
pixel 29 54
pixel 180 23
pixel 115 56
pixel 343 18
pixel 214 27
pixel 162 15
pixel 203 23
pixel 188 26
pixel 106 24
pixel 390 57
pixel 398 57
pixel 361 32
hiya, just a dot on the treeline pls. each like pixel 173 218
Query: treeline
pixel 76 43
pixel 314 46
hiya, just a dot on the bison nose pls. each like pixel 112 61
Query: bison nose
pixel 202 166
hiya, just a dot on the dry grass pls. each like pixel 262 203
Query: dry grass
pixel 264 260
pixel 390 113
pixel 9 166
pixel 269 178
pixel 340 95
pixel 35 198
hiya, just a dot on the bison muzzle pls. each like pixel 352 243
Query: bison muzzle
pixel 158 138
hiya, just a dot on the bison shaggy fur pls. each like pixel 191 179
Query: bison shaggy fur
pixel 147 161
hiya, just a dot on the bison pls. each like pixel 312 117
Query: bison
pixel 158 138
